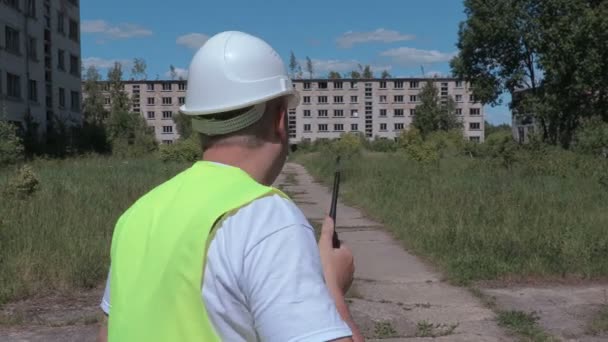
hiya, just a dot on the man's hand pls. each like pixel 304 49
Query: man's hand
pixel 338 264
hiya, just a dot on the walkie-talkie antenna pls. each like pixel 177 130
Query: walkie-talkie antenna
pixel 334 202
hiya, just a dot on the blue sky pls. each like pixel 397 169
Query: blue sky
pixel 398 35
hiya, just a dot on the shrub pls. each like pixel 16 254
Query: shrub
pixel 23 184
pixel 11 146
pixel 188 150
pixel 382 145
pixel 348 146
pixel 592 138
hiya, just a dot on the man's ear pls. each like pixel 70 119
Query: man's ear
pixel 280 124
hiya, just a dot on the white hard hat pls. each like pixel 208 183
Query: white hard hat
pixel 234 70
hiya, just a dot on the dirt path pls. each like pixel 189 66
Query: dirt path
pixel 394 295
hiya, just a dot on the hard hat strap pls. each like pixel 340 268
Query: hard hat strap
pixel 214 126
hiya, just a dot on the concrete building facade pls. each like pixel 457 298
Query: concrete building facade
pixel 40 62
pixel 375 107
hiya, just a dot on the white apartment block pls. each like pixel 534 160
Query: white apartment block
pixel 40 61
pixel 157 101
pixel 376 107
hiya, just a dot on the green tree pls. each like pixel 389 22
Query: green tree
pixel 119 98
pixel 11 145
pixel 93 105
pixel 138 71
pixel 385 74
pixel 355 74
pixel 433 114
pixel 183 124
pixel 309 67
pixel 490 128
pixel 367 72
pixel 334 75
pixel 172 72
pixel 293 65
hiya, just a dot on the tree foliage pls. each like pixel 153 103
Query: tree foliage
pixel 294 66
pixel 385 74
pixel 433 114
pixel 138 71
pixel 309 67
pixel 334 75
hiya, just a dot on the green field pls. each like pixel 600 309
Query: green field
pixel 478 220
pixel 58 239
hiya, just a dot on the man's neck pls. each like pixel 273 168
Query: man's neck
pixel 249 160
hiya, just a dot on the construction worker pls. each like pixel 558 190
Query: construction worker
pixel 217 253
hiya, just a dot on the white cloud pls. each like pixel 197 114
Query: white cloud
pixel 118 31
pixel 412 56
pixel 179 72
pixel 323 66
pixel 102 63
pixel 192 40
pixel 350 38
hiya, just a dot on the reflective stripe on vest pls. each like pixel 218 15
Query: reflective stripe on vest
pixel 158 252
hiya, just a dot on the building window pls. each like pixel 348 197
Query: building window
pixel 150 86
pixel 382 112
pixel 322 113
pixel 354 127
pixel 151 115
pixel 399 98
pixel 150 101
pixel 474 125
pixel 306 85
pixel 399 126
pixel 412 111
pixel 167 101
pixel 414 84
pixel 306 127
pixel 181 100
pixel 382 98
pixel 74 30
pixel 458 84
pixel 458 111
pixel 338 99
pixel 74 65
pixel 181 86
pixel 13 85
pixel 353 99
pixel 472 98
pixel 474 111
pixel 61 98
pixel 353 85
pixel 338 113
pixel 354 113
pixel 306 99
pixel 383 85
pixel 32 91
pixel 167 114
pixel 60 23
pixel 337 85
pixel 167 142
pixel 474 139
pixel 31 8
pixel 75 101
pixel 322 127
pixel 32 50
pixel 322 85
pixel 306 112
pixel 11 37
pixel 413 98
pixel 398 84
pixel 107 100
pixel 166 86
pixel 383 127
pixel 167 129
pixel 399 112
pixel 322 99
pixel 61 60
pixel 458 98
pixel 338 127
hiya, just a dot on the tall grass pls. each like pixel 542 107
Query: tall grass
pixel 478 220
pixel 59 238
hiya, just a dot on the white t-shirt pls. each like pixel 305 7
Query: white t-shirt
pixel 263 279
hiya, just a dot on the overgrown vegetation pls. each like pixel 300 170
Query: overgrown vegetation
pixel 523 324
pixel 482 211
pixel 56 224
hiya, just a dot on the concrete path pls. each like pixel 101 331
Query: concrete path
pixel 395 296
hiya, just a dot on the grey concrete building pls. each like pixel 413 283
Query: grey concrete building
pixel 40 62
pixel 157 101
pixel 376 107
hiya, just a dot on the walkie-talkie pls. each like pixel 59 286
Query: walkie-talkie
pixel 334 202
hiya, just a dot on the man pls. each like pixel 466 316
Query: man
pixel 216 253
